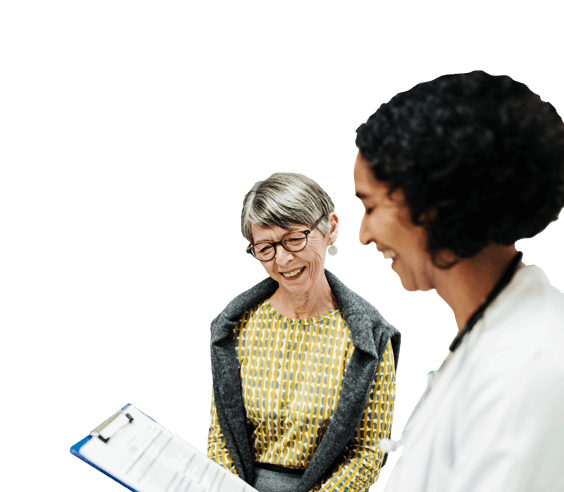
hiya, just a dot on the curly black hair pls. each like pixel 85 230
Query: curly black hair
pixel 480 159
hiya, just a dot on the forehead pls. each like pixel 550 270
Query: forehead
pixel 367 187
pixel 364 181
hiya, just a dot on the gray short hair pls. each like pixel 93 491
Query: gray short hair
pixel 284 199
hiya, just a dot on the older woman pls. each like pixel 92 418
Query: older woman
pixel 452 173
pixel 303 368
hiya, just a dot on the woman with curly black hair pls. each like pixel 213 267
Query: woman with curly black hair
pixel 452 173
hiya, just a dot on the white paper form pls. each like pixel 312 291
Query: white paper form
pixel 148 458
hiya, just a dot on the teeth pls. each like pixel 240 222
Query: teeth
pixel 293 273
pixel 389 254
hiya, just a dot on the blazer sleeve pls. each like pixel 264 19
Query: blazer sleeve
pixel 217 449
pixel 363 460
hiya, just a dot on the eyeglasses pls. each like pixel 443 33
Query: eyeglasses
pixel 293 241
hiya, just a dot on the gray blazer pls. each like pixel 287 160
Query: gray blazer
pixel 370 333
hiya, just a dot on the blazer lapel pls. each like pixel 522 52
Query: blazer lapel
pixel 227 387
pixel 364 322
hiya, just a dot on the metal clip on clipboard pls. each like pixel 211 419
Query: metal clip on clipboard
pixel 97 430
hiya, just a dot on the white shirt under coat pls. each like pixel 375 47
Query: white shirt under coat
pixel 493 419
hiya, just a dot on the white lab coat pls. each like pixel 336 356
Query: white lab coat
pixel 493 418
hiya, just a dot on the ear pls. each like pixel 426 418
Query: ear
pixel 334 226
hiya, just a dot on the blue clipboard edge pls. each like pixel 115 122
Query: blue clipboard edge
pixel 76 451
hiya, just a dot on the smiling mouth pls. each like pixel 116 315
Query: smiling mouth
pixel 295 275
pixel 389 254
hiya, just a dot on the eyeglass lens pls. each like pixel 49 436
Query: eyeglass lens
pixel 295 241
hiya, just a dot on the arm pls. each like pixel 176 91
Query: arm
pixel 217 450
pixel 362 465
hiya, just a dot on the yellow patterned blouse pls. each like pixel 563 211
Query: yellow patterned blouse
pixel 291 372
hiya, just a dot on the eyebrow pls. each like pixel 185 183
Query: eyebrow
pixel 270 241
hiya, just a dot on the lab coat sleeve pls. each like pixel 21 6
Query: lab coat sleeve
pixel 217 450
pixel 509 431
pixel 362 465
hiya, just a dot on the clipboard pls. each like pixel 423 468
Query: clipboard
pixel 141 455
pixel 75 450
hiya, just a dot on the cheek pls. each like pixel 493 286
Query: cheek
pixel 316 255
pixel 380 226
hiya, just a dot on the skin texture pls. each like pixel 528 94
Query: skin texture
pixel 387 224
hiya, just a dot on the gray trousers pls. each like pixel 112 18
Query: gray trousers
pixel 271 481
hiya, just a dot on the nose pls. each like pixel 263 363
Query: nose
pixel 283 256
pixel 364 233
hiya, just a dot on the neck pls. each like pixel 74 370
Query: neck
pixel 464 286
pixel 314 301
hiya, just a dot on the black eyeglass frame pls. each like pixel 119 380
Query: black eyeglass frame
pixel 307 232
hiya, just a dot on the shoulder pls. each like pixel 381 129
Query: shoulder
pixel 517 351
pixel 369 330
pixel 349 301
pixel 250 297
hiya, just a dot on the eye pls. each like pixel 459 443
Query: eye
pixel 265 248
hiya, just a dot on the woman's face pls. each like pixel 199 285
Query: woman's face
pixel 387 224
pixel 298 271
